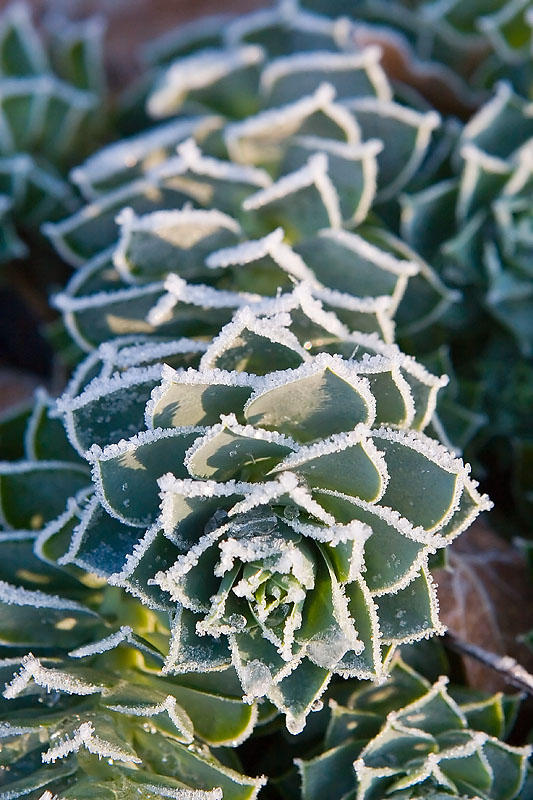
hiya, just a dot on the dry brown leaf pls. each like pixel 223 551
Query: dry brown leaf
pixel 486 598
pixel 15 387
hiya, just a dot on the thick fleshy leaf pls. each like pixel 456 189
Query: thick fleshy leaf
pixel 127 473
pixel 411 613
pixel 312 406
pixel 345 463
pixel 35 492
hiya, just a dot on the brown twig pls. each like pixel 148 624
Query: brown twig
pixel 510 669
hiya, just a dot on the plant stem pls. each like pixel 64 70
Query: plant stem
pixel 510 669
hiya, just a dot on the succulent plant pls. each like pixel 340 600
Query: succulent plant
pixel 484 249
pixel 465 46
pixel 88 709
pixel 298 153
pixel 412 739
pixel 49 96
pixel 290 531
pixel 241 492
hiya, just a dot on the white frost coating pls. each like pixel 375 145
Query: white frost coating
pixel 436 627
pixel 133 560
pixel 197 294
pixel 428 447
pixel 324 61
pixel 18 16
pixel 71 556
pixel 314 173
pixel 198 71
pixel 446 460
pixel 295 722
pixel 382 307
pixel 88 270
pixel 394 519
pixel 523 167
pixel 58 232
pixel 96 454
pixel 169 580
pixel 103 645
pixel 17 596
pixel 85 736
pixel 334 533
pixel 365 153
pixel 191 158
pixel 129 220
pixel 277 124
pixel 169 704
pixel 42 402
pixel 128 153
pixel 381 258
pixel 288 184
pixel 271 245
pixel 488 113
pixel 419 565
pixel 184 794
pixel 63 302
pixel 228 422
pixel 101 387
pixel 188 487
pixel 274 329
pixel 476 162
pixel 376 643
pixel 438 688
pixel 286 484
pixel 192 377
pixel 49 679
pixel 20 467
pixel 349 371
pixel 372 366
pixel 133 355
pixel 206 296
pixel 255 677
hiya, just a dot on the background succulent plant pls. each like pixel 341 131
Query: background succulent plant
pixel 241 492
pixel 416 740
pixel 49 98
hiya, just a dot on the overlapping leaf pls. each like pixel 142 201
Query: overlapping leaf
pixel 412 739
pixel 47 104
pixel 281 508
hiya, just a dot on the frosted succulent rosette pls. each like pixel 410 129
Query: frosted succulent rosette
pixel 85 708
pixel 417 740
pixel 289 538
pixel 459 45
pixel 48 99
pixel 486 249
pixel 320 143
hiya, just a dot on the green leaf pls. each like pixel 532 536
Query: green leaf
pixel 127 473
pixel 34 492
pixel 227 454
pixel 343 463
pixel 179 404
pixel 309 407
pixel 409 614
pixel 427 500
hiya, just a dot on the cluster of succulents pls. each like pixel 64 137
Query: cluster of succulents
pixel 49 99
pixel 240 495
pixel 415 740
